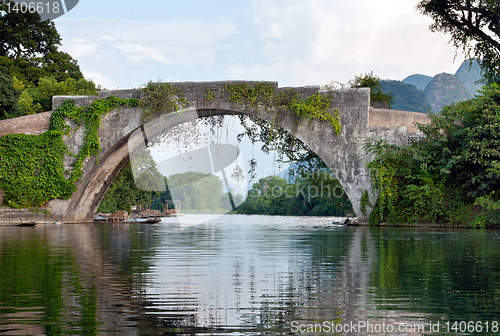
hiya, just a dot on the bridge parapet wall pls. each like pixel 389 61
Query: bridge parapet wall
pixel 30 124
pixel 384 117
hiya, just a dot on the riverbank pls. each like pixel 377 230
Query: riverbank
pixel 431 225
pixel 10 216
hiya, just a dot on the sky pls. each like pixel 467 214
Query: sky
pixel 125 44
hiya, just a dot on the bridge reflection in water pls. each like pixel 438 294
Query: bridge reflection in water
pixel 240 274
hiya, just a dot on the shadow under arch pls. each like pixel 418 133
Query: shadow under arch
pixel 342 153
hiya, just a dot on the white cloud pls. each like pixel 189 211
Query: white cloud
pixel 337 41
pixel 295 42
pixel 102 80
pixel 114 47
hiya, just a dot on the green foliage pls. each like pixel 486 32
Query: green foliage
pixel 41 95
pixel 261 93
pixel 29 55
pixel 365 202
pixel 123 193
pixel 8 94
pixel 29 48
pixel 58 64
pixel 209 94
pixel 316 107
pixel 474 27
pixel 31 169
pixel 24 35
pixel 385 175
pixel 313 107
pixel 470 142
pixel 318 194
pixel 31 166
pixel 491 209
pixel 369 80
pixel 161 97
pixel 27 104
pixel 38 98
pixel 451 176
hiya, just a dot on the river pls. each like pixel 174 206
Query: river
pixel 247 275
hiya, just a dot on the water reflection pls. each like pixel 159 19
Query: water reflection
pixel 240 275
pixel 55 280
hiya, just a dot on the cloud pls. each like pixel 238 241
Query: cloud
pixel 334 41
pixel 126 51
pixel 295 42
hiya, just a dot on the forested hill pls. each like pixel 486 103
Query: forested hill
pixel 421 93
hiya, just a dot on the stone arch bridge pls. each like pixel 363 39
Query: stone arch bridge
pixel 343 153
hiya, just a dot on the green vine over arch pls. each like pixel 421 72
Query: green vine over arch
pixel 316 106
pixel 32 166
pixel 160 97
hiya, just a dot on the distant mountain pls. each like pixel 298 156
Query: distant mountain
pixel 445 89
pixel 419 81
pixel 440 90
pixel 469 74
pixel 406 97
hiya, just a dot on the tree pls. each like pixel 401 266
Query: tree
pixel 371 81
pixel 24 35
pixel 452 175
pixel 32 69
pixel 41 95
pixel 8 94
pixel 29 48
pixel 123 193
pixel 313 194
pixel 474 26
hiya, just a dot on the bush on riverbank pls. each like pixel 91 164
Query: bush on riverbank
pixel 318 194
pixel 452 176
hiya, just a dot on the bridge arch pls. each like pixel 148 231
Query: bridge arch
pixel 343 153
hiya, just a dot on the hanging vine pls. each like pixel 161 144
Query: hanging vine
pixel 316 106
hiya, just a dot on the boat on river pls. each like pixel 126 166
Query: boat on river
pixel 345 222
pixel 106 219
pixel 27 224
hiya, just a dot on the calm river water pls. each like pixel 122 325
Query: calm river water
pixel 247 275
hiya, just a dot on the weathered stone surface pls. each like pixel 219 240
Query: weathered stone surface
pixel 343 153
pixel 10 216
pixel 30 124
pixel 385 117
